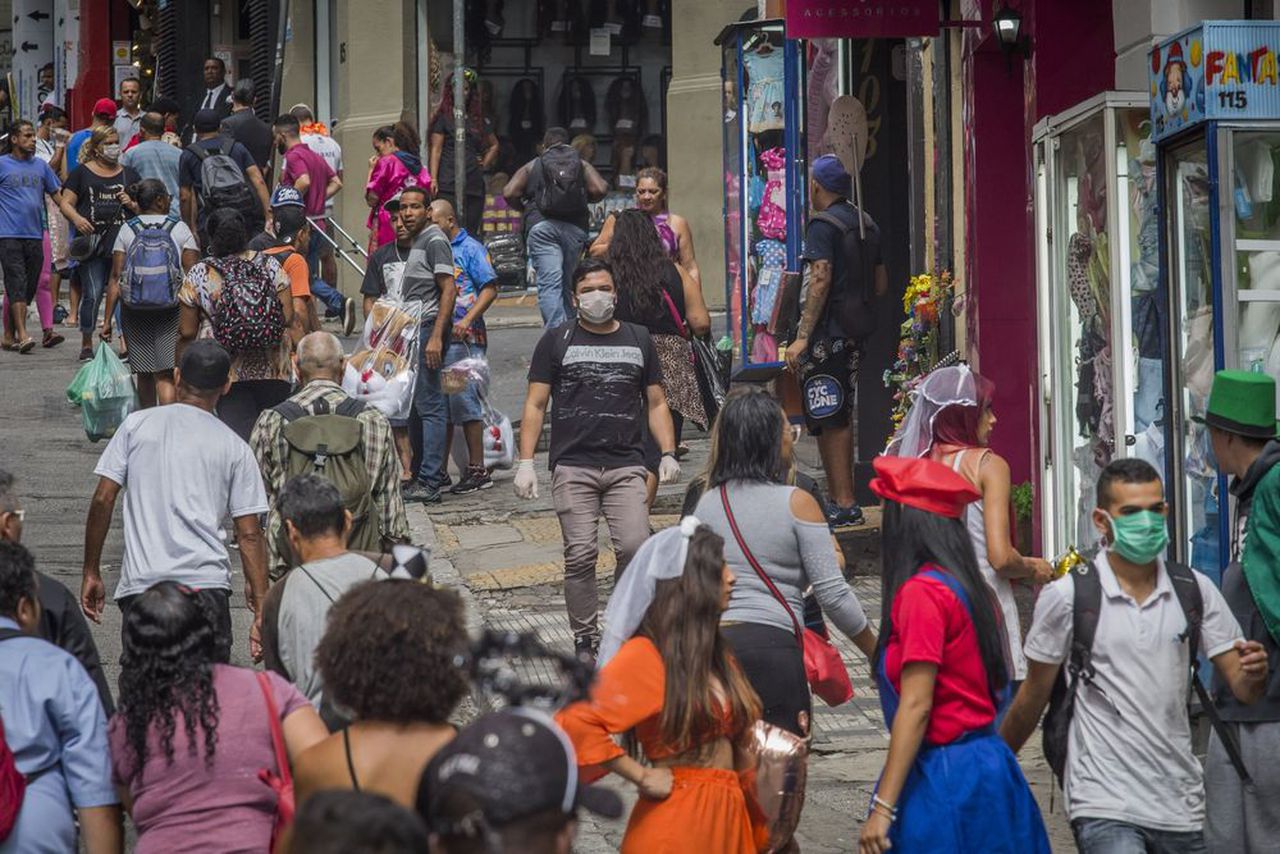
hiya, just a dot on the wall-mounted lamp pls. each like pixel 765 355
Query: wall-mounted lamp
pixel 1007 24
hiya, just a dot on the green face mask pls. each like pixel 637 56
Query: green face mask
pixel 1139 537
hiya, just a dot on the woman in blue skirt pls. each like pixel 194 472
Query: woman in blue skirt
pixel 950 784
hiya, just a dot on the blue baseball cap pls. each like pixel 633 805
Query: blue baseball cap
pixel 286 197
pixel 831 175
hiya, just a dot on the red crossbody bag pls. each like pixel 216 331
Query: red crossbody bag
pixel 282 782
pixel 823 666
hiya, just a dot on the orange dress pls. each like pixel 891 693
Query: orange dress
pixel 707 810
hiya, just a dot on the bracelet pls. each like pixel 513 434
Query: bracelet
pixel 885 808
pixel 671 454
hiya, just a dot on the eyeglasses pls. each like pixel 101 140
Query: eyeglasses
pixel 20 514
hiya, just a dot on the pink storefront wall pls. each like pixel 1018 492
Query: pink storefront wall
pixel 1073 58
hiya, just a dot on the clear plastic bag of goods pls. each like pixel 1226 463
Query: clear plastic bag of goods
pixel 455 378
pixel 103 389
pixel 384 367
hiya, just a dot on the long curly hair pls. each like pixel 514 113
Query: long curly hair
pixel 683 621
pixel 639 264
pixel 170 648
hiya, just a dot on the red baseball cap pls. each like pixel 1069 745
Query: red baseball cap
pixel 104 107
pixel 923 484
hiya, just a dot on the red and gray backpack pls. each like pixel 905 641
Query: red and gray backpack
pixel 248 315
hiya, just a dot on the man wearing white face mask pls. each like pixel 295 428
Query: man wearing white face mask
pixel 602 375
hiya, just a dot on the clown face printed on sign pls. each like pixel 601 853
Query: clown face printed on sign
pixel 1175 72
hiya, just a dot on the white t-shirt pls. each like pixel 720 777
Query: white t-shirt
pixel 182 471
pixel 181 234
pixel 1129 748
pixel 328 148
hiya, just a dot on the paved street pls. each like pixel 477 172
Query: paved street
pixel 501 553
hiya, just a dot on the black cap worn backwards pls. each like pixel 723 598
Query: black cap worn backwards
pixel 506 766
pixel 205 365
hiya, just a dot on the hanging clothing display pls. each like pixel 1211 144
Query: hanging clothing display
pixel 765 94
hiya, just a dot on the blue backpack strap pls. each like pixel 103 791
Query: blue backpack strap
pixel 955 587
pixel 952 584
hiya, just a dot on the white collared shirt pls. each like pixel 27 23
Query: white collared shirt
pixel 211 101
pixel 1129 750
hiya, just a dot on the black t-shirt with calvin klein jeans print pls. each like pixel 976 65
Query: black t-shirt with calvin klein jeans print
pixel 598 384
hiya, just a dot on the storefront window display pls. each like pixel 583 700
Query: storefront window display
pixel 1099 306
pixel 764 186
pixel 1217 141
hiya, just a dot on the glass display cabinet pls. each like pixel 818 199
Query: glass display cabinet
pixel 762 73
pixel 1097 285
pixel 1215 117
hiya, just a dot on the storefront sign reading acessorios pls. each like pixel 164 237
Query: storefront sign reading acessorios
pixel 1218 70
pixel 862 19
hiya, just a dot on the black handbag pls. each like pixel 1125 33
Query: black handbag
pixel 711 366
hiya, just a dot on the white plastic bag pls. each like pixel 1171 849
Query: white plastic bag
pixel 499 443
pixel 384 367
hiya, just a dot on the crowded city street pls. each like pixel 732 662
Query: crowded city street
pixel 641 426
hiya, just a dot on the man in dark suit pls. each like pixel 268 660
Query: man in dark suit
pixel 217 94
pixel 245 127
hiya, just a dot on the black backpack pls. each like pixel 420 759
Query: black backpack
pixel 562 185
pixel 857 306
pixel 1085 611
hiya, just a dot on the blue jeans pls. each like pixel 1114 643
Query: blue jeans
pixel 554 247
pixel 433 409
pixel 93 275
pixel 464 406
pixel 329 295
pixel 1108 836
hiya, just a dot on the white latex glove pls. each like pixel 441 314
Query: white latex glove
pixel 668 470
pixel 526 480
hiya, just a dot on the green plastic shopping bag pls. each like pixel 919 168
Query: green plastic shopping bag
pixel 104 391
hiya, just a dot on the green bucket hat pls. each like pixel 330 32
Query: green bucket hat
pixel 1244 403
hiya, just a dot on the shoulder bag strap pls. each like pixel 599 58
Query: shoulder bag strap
pixel 675 314
pixel 751 559
pixel 277 731
pixel 1187 589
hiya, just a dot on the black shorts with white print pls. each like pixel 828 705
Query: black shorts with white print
pixel 828 382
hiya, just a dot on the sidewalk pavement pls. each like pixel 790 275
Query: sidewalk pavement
pixel 504 557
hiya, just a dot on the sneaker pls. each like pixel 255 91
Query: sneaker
pixel 584 649
pixel 841 519
pixel 446 481
pixel 477 478
pixel 421 493
pixel 348 316
pixel 86 355
pixel 124 356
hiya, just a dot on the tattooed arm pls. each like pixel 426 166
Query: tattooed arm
pixel 815 300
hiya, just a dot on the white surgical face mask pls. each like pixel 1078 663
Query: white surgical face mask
pixel 111 151
pixel 596 306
